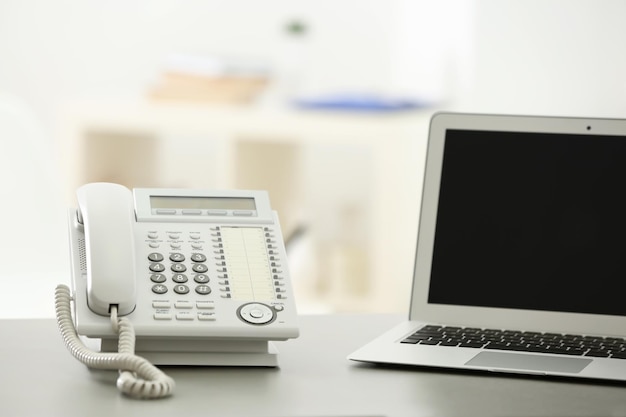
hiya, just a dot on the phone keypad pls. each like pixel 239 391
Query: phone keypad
pixel 179 278
pixel 189 274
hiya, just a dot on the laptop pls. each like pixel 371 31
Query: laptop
pixel 520 264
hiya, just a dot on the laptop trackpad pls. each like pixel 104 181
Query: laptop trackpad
pixel 529 362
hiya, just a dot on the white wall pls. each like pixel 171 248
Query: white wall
pixel 55 51
pixel 563 57
pixel 32 221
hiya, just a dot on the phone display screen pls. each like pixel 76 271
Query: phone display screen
pixel 210 203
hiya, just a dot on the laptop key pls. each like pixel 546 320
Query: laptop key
pixel 429 342
pixel 597 353
pixel 472 344
pixel 538 349
pixel 497 346
pixel 575 352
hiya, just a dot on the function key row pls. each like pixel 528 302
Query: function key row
pixel 185 315
pixel 184 310
pixel 179 268
pixel 175 240
pixel 174 235
pixel 201 289
pixel 176 257
pixel 199 212
pixel 179 278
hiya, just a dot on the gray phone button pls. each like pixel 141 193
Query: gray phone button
pixel 159 289
pixel 203 289
pixel 256 313
pixel 158 278
pixel 157 267
pixel 181 289
pixel 243 213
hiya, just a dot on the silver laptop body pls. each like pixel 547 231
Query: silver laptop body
pixel 522 230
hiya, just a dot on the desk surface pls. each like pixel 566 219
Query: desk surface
pixel 39 377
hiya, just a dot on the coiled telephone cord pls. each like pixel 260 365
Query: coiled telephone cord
pixel 138 378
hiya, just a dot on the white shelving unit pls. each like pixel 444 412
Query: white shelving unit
pixel 360 248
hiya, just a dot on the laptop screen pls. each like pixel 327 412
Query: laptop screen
pixel 531 221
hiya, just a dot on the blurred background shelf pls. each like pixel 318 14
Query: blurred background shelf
pixel 346 185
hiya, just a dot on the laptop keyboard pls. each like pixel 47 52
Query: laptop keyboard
pixel 555 343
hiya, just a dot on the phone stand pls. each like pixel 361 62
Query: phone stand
pixel 168 351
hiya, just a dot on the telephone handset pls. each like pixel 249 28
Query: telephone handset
pixel 105 212
pixel 180 277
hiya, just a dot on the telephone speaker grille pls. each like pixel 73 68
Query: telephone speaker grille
pixel 82 254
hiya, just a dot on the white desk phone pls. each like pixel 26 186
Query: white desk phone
pixel 174 277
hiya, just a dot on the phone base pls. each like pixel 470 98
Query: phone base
pixel 268 359
pixel 202 352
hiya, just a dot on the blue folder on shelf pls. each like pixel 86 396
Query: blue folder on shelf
pixel 352 102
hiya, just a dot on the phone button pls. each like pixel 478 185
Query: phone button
pixel 183 304
pixel 200 268
pixel 159 289
pixel 179 278
pixel 161 304
pixel 205 305
pixel 155 257
pixel 206 316
pixel 181 289
pixel 178 268
pixel 198 257
pixel 243 213
pixel 201 278
pixel 203 289
pixel 159 278
pixel 157 267
pixel 184 315
pixel 176 257
pixel 162 315
pixel 256 313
